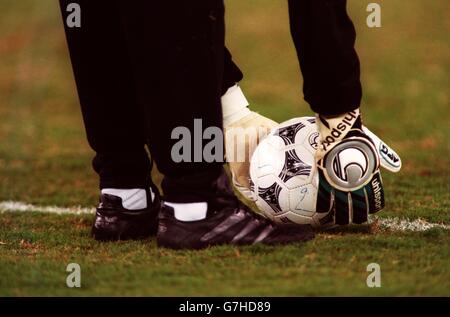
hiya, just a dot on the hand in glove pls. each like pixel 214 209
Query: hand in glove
pixel 348 160
pixel 243 131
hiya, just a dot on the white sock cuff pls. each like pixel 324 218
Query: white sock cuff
pixel 189 211
pixel 132 199
pixel 234 105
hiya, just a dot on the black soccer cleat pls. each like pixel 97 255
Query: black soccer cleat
pixel 114 222
pixel 228 221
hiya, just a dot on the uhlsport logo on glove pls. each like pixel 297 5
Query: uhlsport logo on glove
pixel 337 130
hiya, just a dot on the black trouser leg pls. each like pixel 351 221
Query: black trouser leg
pixel 158 63
pixel 231 72
pixel 177 52
pixel 107 95
pixel 324 37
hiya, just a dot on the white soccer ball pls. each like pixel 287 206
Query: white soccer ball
pixel 283 174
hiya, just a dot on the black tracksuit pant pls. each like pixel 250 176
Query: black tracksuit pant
pixel 143 68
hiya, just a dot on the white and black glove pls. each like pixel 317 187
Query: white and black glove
pixel 348 160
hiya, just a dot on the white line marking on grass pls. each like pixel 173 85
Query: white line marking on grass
pixel 398 224
pixel 17 206
pixel 390 224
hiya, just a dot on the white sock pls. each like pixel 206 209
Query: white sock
pixel 234 105
pixel 189 211
pixel 132 199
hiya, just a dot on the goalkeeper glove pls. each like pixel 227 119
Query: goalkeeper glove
pixel 244 129
pixel 348 160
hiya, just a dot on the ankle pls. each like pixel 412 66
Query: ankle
pixel 132 198
pixel 189 211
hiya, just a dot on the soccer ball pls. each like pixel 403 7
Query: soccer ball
pixel 283 174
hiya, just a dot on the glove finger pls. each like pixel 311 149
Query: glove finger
pixel 389 159
pixel 360 206
pixel 375 193
pixel 324 194
pixel 325 202
pixel 343 207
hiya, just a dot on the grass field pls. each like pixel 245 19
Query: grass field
pixel 45 160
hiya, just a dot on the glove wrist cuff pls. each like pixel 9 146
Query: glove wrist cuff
pixel 234 105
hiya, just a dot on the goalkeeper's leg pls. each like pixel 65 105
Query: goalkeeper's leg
pixel 129 202
pixel 347 158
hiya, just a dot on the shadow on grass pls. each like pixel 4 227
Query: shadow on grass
pixel 349 229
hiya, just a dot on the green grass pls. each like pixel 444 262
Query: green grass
pixel 39 248
pixel 45 159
